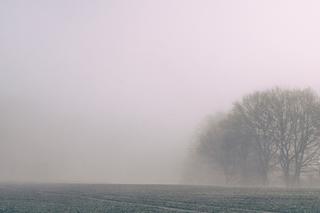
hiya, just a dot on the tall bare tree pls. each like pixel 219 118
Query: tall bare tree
pixel 296 129
pixel 256 118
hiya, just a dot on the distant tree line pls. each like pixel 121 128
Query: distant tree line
pixel 267 134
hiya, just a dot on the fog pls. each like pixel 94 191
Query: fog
pixel 113 91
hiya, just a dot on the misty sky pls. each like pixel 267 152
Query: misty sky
pixel 112 91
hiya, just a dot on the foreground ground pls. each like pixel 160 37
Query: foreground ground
pixel 153 198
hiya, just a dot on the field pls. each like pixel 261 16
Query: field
pixel 153 198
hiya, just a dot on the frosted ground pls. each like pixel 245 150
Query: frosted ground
pixel 154 198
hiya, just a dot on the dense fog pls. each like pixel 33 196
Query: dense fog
pixel 114 91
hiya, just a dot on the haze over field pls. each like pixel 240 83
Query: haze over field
pixel 113 91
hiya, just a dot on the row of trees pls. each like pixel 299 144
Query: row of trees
pixel 268 134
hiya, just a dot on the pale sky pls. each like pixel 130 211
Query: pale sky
pixel 113 91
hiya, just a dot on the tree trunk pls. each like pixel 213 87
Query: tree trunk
pixel 286 177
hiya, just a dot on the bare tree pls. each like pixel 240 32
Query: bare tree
pixel 227 147
pixel 256 118
pixel 277 128
pixel 296 129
